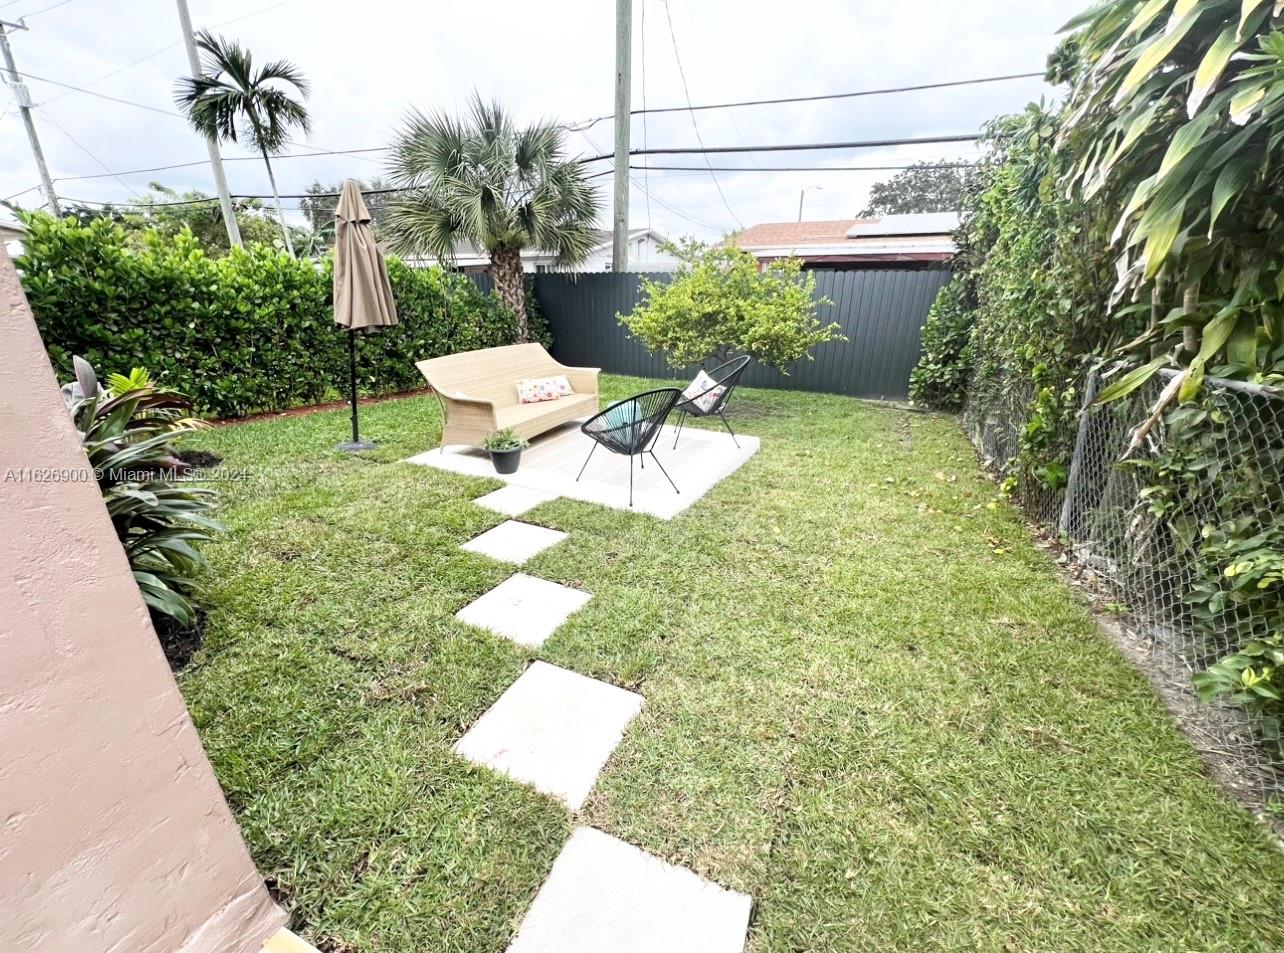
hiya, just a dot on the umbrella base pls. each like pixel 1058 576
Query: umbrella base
pixel 356 446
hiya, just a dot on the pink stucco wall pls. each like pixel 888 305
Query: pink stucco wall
pixel 114 835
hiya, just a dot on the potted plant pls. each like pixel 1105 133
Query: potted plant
pixel 505 449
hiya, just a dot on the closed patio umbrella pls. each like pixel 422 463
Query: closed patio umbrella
pixel 362 293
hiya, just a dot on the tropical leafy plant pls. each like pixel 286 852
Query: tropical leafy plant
pixel 231 100
pixel 718 302
pixel 169 211
pixel 1176 120
pixel 940 377
pixel 480 180
pixel 923 187
pixel 128 431
pixel 503 441
pixel 1252 678
pixel 320 200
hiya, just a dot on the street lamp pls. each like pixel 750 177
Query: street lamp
pixel 802 194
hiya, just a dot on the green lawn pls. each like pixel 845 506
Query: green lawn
pixel 871 702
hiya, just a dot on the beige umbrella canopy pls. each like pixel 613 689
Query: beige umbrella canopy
pixel 362 292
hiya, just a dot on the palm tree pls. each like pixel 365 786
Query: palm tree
pixel 481 180
pixel 230 100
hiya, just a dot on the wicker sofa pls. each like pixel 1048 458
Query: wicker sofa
pixel 478 392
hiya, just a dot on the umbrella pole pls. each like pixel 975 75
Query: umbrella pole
pixel 352 381
pixel 356 444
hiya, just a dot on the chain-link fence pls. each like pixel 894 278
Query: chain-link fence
pixel 1179 527
pixel 997 410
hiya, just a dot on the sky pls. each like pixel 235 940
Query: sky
pixel 369 63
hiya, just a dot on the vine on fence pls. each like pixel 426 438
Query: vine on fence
pixel 1141 220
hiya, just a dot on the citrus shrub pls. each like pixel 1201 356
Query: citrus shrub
pixel 718 303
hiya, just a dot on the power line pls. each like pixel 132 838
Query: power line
pixel 79 145
pixel 185 165
pixel 167 46
pixel 646 191
pixel 853 95
pixel 820 97
pixel 90 92
pixel 30 188
pixel 686 92
pixel 795 147
pixel 713 70
pixel 806 168
pixel 52 6
pixel 264 197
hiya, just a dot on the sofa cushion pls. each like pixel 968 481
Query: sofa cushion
pixel 565 408
pixel 702 392
pixel 540 389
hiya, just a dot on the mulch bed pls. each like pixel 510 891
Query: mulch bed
pixel 316 408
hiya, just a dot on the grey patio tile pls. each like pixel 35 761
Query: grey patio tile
pixel 513 500
pixel 552 729
pixel 514 542
pixel 606 895
pixel 524 609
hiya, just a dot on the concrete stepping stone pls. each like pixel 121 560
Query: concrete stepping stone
pixel 604 894
pixel 552 729
pixel 524 609
pixel 514 500
pixel 514 542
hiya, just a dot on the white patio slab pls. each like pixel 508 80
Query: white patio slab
pixel 514 500
pixel 703 459
pixel 604 894
pixel 524 609
pixel 552 729
pixel 514 542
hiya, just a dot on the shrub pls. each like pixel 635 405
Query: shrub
pixel 718 302
pixel 940 378
pixel 128 432
pixel 249 331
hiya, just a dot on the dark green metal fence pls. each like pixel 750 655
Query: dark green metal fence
pixel 881 311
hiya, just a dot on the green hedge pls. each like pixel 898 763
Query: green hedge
pixel 251 331
pixel 940 378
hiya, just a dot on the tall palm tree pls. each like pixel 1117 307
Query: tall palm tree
pixel 481 180
pixel 231 101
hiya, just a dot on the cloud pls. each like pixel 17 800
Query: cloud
pixel 553 59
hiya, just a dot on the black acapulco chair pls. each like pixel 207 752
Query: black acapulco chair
pixel 725 376
pixel 631 427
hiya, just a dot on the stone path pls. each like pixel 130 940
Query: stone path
pixel 555 729
pixel 514 500
pixel 514 542
pixel 605 895
pixel 524 609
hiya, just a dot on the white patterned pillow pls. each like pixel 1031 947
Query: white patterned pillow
pixel 695 392
pixel 543 388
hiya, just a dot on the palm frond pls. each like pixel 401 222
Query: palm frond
pixel 231 101
pixel 480 179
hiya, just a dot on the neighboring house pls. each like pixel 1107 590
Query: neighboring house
pixel 645 254
pixel 11 236
pixel 909 240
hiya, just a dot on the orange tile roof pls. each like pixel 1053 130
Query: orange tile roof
pixel 798 233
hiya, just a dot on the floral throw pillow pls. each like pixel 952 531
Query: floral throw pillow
pixel 696 392
pixel 542 389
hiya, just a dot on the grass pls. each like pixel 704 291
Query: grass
pixel 871 702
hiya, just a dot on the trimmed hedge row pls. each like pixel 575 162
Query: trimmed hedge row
pixel 251 331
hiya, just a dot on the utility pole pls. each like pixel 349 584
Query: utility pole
pixel 24 106
pixel 216 159
pixel 623 104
